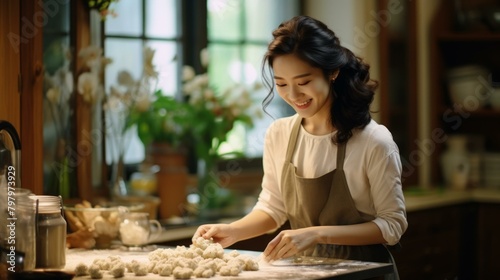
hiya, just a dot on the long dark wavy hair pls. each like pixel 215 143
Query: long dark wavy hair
pixel 312 41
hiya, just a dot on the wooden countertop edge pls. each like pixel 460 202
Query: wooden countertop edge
pixel 450 197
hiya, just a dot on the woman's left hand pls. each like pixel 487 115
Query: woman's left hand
pixel 290 242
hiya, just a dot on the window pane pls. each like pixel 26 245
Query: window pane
pixel 223 19
pixel 253 55
pixel 128 21
pixel 263 16
pixel 225 65
pixel 161 19
pixel 57 15
pixel 126 54
pixel 166 65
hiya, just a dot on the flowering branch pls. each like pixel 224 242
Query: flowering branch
pixel 103 7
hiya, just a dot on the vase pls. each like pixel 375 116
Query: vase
pixel 455 163
pixel 171 178
pixel 118 185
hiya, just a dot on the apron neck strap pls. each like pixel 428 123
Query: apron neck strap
pixel 293 139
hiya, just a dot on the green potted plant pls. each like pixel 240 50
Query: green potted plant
pixel 212 115
pixel 166 120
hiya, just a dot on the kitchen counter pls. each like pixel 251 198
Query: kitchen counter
pixel 415 200
pixel 344 269
pixel 426 199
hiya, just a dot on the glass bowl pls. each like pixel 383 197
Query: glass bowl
pixel 98 222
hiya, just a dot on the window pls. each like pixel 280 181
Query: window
pixel 153 23
pixel 237 32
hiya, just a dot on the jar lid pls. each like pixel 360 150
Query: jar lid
pixel 47 203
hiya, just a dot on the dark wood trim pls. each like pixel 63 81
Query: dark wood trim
pixel 194 37
pixel 32 99
pixel 386 109
pixel 383 88
pixel 413 86
pixel 10 69
pixel 81 39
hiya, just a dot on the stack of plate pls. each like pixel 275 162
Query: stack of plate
pixel 491 170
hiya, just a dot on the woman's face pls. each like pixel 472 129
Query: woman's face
pixel 302 86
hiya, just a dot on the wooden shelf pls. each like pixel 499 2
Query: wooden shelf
pixel 469 37
pixel 480 113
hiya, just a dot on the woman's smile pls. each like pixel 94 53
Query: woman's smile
pixel 303 104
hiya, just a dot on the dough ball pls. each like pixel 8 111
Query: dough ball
pixel 182 273
pixel 118 270
pixel 141 269
pixel 228 270
pixel 204 272
pixel 95 272
pixel 165 269
pixel 81 269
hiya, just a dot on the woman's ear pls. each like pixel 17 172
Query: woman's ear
pixel 334 75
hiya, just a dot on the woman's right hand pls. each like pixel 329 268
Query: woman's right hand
pixel 220 233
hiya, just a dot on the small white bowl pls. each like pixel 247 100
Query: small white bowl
pixel 468 86
pixel 495 99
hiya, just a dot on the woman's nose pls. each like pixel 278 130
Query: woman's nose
pixel 294 92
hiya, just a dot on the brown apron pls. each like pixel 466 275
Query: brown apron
pixel 322 201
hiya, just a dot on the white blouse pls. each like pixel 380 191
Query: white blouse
pixel 372 166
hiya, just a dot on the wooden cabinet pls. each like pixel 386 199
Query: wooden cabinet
pixel 458 43
pixel 21 83
pixel 452 242
pixel 488 245
pixel 10 69
pixel 431 245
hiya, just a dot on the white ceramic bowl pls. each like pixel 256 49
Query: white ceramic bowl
pixel 495 99
pixel 468 86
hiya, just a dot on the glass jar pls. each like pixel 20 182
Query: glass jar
pixel 50 232
pixel 18 236
pixel 26 231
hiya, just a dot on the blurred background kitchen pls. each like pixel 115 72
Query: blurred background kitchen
pixel 106 108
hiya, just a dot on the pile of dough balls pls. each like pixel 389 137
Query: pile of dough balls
pixel 202 259
pixel 113 265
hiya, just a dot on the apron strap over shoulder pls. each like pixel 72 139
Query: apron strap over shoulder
pixel 293 139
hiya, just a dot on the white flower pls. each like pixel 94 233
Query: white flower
pixel 68 81
pixel 204 57
pixel 149 68
pixel 91 56
pixel 87 86
pixel 188 73
pixel 125 79
pixel 201 80
pixel 53 95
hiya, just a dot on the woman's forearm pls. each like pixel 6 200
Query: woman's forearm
pixel 253 224
pixel 358 234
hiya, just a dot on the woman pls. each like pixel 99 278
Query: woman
pixel 330 170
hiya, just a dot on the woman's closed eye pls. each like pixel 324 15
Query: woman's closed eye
pixel 300 84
